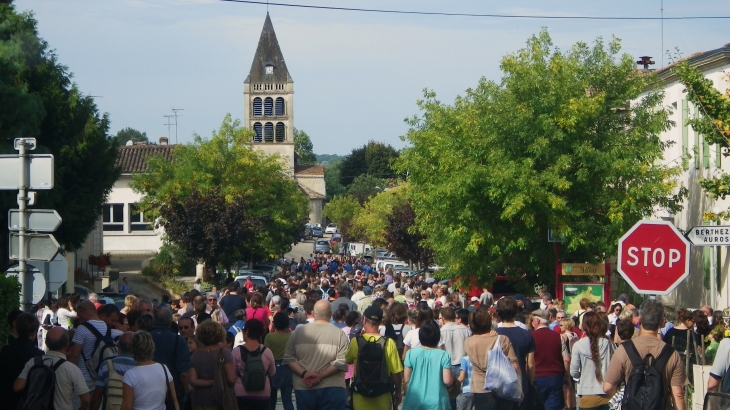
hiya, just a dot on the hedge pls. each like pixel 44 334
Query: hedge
pixel 9 301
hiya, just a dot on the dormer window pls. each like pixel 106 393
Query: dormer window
pixel 269 69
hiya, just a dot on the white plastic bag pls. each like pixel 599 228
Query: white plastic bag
pixel 501 377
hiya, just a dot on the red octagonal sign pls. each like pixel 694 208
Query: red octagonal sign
pixel 653 256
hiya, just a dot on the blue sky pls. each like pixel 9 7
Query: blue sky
pixel 356 76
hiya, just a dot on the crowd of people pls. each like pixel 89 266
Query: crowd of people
pixel 334 334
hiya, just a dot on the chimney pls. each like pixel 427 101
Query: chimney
pixel 646 61
pixel 163 140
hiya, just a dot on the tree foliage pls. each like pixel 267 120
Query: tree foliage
pixel 371 223
pixel 304 148
pixel 226 164
pixel 374 158
pixel 342 210
pixel 553 145
pixel 403 238
pixel 210 227
pixel 712 121
pixel 366 186
pixel 332 181
pixel 129 134
pixel 39 100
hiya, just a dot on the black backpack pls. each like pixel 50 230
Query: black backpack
pixel 254 377
pixel 645 388
pixel 40 385
pixel 371 372
pixel 396 335
pixel 104 348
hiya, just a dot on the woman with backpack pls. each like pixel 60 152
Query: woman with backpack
pixel 589 362
pixel 254 365
pixel 146 386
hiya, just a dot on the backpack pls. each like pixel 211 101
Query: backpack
pixel 254 377
pixel 645 389
pixel 576 319
pixel 113 393
pixel 371 372
pixel 104 348
pixel 40 385
pixel 396 335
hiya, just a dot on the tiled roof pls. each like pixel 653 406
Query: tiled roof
pixel 311 194
pixel 309 170
pixel 132 159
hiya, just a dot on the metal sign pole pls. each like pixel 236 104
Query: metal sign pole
pixel 22 200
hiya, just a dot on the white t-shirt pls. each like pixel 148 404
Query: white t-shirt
pixel 63 315
pixel 411 339
pixel 149 383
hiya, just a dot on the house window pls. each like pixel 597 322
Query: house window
pixel 137 220
pixel 257 129
pixel 113 218
pixel 279 106
pixel 257 107
pixel 269 132
pixel 269 106
pixel 280 132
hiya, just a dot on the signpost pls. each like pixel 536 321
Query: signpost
pixel 653 257
pixel 25 172
pixel 710 236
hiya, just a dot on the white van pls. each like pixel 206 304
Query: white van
pixel 382 264
pixel 357 248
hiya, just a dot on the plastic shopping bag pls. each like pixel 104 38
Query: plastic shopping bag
pixel 501 377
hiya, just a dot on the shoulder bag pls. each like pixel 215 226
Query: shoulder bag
pixel 501 377
pixel 222 392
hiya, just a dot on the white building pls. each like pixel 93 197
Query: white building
pixel 704 161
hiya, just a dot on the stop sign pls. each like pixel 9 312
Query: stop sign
pixel 653 256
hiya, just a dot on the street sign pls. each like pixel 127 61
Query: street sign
pixel 35 277
pixel 37 220
pixel 555 236
pixel 583 269
pixel 55 272
pixel 653 257
pixel 39 169
pixel 40 247
pixel 709 235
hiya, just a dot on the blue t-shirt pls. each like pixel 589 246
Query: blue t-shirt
pixel 467 367
pixel 426 389
pixel 523 344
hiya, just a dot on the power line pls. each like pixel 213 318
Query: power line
pixel 514 16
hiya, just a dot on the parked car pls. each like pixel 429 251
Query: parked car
pixel 83 291
pixel 331 228
pixel 259 281
pixel 117 298
pixel 335 239
pixel 322 246
pixel 317 232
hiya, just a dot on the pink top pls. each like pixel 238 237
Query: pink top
pixel 238 389
pixel 350 367
pixel 261 314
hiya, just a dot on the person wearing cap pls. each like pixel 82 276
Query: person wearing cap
pixel 366 300
pixel 473 303
pixel 372 319
pixel 550 369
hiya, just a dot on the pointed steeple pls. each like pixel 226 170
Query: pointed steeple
pixel 268 53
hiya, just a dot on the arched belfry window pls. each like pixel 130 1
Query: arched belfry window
pixel 257 107
pixel 257 130
pixel 269 106
pixel 280 132
pixel 280 106
pixel 269 132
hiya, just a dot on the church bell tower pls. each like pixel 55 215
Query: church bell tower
pixel 268 95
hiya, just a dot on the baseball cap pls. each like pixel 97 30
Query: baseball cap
pixel 474 299
pixel 542 314
pixel 374 313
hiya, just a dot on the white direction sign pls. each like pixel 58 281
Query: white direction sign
pixel 40 247
pixel 34 277
pixel 709 235
pixel 37 220
pixel 39 169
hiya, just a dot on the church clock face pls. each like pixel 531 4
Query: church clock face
pixel 269 69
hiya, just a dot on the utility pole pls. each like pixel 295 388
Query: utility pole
pixel 175 110
pixel 168 124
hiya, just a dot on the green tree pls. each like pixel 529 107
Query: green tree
pixel 403 237
pixel 332 181
pixel 366 186
pixel 127 134
pixel 39 100
pixel 227 164
pixel 713 120
pixel 374 158
pixel 342 210
pixel 370 224
pixel 554 144
pixel 304 148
